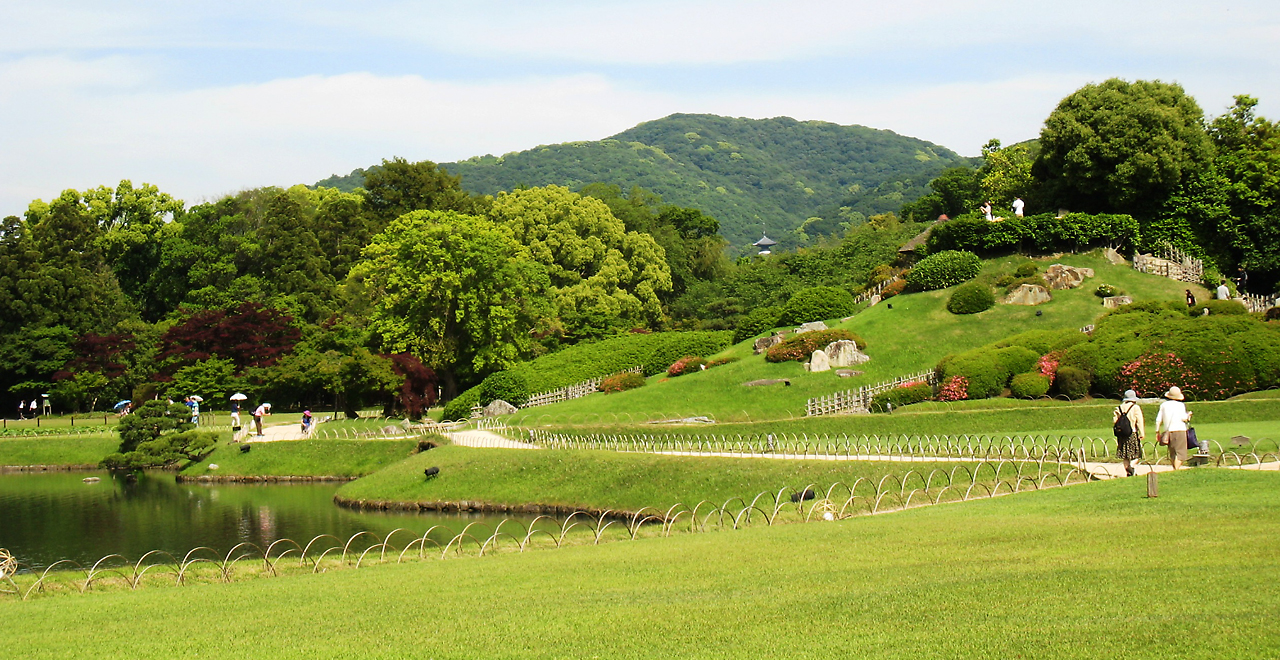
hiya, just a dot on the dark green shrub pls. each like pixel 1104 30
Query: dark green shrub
pixel 510 386
pixel 671 346
pixel 817 303
pixel 460 407
pixel 902 395
pixel 1082 356
pixel 1218 307
pixel 987 370
pixel 1015 360
pixel 1272 314
pixel 151 420
pixel 1106 291
pixel 1044 341
pixel 722 361
pixel 1045 233
pixel 622 382
pixel 800 347
pixel 1027 269
pixel 971 298
pixel 944 269
pixel 759 321
pixel 1261 347
pixel 686 364
pixel 1029 386
pixel 1072 383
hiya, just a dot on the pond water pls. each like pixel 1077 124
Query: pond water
pixel 46 517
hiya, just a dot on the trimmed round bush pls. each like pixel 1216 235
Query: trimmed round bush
pixel 1073 383
pixel 971 298
pixel 1029 386
pixel 685 365
pixel 944 269
pixel 460 406
pixel 1026 269
pixel 506 385
pixel 817 303
pixel 902 395
pixel 800 347
pixel 722 361
pixel 1218 308
pixel 622 382
pixel 756 322
pixel 1016 360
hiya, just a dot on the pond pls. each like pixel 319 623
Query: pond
pixel 46 517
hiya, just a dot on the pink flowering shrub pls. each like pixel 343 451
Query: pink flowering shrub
pixel 1048 365
pixel 686 364
pixel 955 388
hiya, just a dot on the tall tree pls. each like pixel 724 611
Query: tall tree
pixel 397 187
pixel 458 291
pixel 1121 147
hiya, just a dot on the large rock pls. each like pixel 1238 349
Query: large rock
pixel 1114 257
pixel 1028 294
pixel 811 326
pixel 819 361
pixel 1114 302
pixel 498 407
pixel 1062 277
pixel 845 353
pixel 765 343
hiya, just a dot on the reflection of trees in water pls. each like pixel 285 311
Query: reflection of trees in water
pixel 48 517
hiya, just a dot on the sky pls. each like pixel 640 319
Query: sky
pixel 204 99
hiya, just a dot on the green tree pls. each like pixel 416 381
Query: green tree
pixel 604 278
pixel 458 291
pixel 1121 147
pixel 397 187
pixel 1249 163
pixel 1006 174
pixel 156 435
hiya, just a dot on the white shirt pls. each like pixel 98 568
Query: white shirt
pixel 260 411
pixel 1223 292
pixel 1018 204
pixel 1172 417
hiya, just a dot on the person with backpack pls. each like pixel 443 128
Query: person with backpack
pixel 1130 430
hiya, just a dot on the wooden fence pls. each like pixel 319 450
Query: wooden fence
pixel 575 391
pixel 1172 263
pixel 875 290
pixel 859 400
pixel 1258 303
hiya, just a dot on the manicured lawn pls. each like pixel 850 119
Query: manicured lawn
pixel 1093 571
pixel 912 336
pixel 337 458
pixel 607 480
pixel 58 450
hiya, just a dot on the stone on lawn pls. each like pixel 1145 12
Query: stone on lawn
pixel 819 361
pixel 1028 294
pixel 847 373
pixel 1114 257
pixel 811 326
pixel 845 353
pixel 498 407
pixel 1114 302
pixel 765 343
pixel 1062 277
pixel 767 381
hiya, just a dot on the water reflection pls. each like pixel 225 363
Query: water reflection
pixel 47 517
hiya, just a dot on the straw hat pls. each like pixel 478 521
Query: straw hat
pixel 1130 395
pixel 1174 393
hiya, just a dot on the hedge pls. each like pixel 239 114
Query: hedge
pixel 817 303
pixel 509 386
pixel 944 269
pixel 1218 307
pixel 987 370
pixel 800 347
pixel 971 298
pixel 1029 386
pixel 757 322
pixel 902 395
pixel 1074 232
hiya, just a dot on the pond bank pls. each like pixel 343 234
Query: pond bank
pixel 259 478
pixel 467 506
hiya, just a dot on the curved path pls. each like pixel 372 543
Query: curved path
pixel 487 439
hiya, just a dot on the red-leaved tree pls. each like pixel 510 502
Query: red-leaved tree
pixel 251 335
pixel 418 392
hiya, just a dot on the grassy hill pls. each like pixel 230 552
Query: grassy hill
pixel 745 172
pixel 909 337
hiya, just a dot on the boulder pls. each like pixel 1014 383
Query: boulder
pixel 874 300
pixel 845 353
pixel 498 407
pixel 767 381
pixel 1062 277
pixel 811 326
pixel 819 361
pixel 847 373
pixel 765 343
pixel 1114 257
pixel 1028 294
pixel 1115 302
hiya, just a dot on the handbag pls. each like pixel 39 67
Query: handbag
pixel 1192 441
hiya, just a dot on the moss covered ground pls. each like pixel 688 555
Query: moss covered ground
pixel 337 458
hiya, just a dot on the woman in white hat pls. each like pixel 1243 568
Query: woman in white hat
pixel 1171 426
pixel 1129 447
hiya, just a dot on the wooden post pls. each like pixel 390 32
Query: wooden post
pixel 1152 490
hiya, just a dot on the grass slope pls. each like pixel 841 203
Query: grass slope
pixel 336 458
pixel 600 479
pixel 1093 571
pixel 57 450
pixel 912 336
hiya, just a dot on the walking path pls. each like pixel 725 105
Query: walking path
pixel 291 431
pixel 486 439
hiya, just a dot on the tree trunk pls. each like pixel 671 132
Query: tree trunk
pixel 449 383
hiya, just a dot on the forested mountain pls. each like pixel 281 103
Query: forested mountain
pixel 747 173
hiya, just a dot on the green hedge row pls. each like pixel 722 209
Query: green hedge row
pixel 1073 232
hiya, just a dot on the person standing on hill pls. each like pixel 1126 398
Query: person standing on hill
pixel 1223 292
pixel 1018 206
pixel 1171 426
pixel 1130 430
pixel 1191 299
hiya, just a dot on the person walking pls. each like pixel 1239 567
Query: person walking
pixel 235 415
pixel 1171 426
pixel 1129 433
pixel 32 409
pixel 22 409
pixel 1018 206
pixel 1191 299
pixel 258 413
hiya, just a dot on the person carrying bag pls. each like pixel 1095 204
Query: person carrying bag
pixel 1130 430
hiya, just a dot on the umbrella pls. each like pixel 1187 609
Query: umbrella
pixel 238 396
pixel 122 404
pixel 195 397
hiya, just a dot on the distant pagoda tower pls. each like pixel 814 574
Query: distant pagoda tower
pixel 764 244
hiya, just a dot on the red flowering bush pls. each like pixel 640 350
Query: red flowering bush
pixel 1048 365
pixel 1212 376
pixel 686 364
pixel 954 388
pixel 622 382
pixel 720 361
pixel 800 347
pixel 892 289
